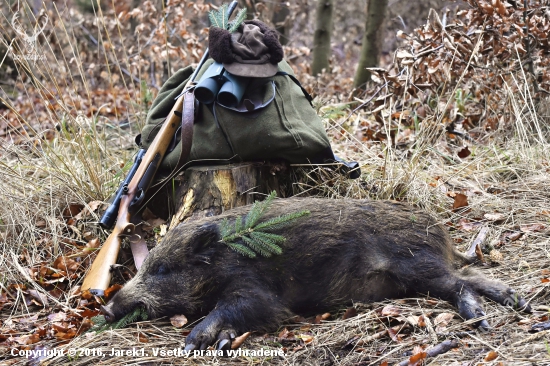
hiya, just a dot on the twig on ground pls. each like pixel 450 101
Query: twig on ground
pixel 436 350
pixel 473 251
pixel 539 327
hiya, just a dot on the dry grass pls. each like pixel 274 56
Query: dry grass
pixel 510 175
pixel 510 178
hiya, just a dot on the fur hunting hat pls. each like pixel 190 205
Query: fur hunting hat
pixel 252 51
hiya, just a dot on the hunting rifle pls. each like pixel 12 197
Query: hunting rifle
pixel 131 192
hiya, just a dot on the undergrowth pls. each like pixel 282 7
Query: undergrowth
pixel 82 155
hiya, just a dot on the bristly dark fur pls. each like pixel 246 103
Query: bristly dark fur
pixel 344 251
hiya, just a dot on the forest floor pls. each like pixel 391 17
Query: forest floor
pixel 454 124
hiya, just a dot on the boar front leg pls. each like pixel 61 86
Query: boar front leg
pixel 237 312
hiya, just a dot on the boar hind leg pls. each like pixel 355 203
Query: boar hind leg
pixel 458 291
pixel 237 312
pixel 465 291
pixel 494 290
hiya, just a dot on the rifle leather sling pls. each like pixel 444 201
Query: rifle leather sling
pixel 138 245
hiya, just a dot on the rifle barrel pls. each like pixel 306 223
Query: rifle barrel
pixel 109 217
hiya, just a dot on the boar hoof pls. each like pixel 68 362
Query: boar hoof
pixel 207 333
pixel 225 338
pixel 190 347
pixel 469 307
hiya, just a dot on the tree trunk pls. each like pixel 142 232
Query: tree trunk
pixel 280 14
pixel 134 21
pixel 372 41
pixel 210 190
pixel 321 38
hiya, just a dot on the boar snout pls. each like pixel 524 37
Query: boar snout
pixel 107 313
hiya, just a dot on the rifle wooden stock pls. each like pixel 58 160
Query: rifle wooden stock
pixel 98 278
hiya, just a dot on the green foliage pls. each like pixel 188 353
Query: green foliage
pixel 100 324
pixel 220 18
pixel 461 97
pixel 234 24
pixel 146 96
pixel 253 238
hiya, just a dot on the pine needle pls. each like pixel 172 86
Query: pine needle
pixel 220 18
pixel 257 210
pixel 254 239
pixel 241 249
pixel 256 246
pixel 237 21
pixel 281 221
pixel 268 244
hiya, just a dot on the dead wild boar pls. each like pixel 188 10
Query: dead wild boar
pixel 344 251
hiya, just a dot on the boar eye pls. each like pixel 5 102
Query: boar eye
pixel 162 269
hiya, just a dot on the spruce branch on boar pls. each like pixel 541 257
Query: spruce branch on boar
pixel 252 234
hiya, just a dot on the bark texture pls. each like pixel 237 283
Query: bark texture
pixel 210 190
pixel 321 37
pixel 372 41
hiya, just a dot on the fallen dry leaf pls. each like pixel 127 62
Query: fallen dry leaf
pixel 350 313
pixel 93 244
pixel 92 207
pixel 178 321
pixel 494 216
pixel 111 291
pixel 66 264
pixel 464 153
pixel 513 236
pixel 413 320
pixel 460 201
pixel 532 228
pixel 467 225
pixel 424 321
pixel 390 310
pixel 285 334
pixel 57 317
pixel 417 358
pixel 40 297
pixel 441 321
pixel 239 340
pixel 307 338
pixel 72 210
pixel 142 338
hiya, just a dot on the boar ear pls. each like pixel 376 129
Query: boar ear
pixel 204 239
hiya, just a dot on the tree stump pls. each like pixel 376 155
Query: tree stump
pixel 210 190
